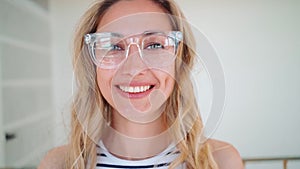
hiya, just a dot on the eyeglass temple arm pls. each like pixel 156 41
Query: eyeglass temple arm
pixel 177 35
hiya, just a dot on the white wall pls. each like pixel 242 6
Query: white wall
pixel 258 44
pixel 25 90
pixel 64 16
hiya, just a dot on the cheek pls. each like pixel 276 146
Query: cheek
pixel 167 79
pixel 104 79
pixel 170 82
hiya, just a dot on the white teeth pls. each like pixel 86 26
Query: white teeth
pixel 130 89
pixel 136 89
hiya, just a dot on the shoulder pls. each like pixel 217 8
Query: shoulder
pixel 54 159
pixel 225 155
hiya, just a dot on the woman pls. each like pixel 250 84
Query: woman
pixel 135 106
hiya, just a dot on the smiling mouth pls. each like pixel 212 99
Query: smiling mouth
pixel 135 89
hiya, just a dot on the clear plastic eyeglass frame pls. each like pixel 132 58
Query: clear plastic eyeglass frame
pixel 156 49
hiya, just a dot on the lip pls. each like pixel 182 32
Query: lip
pixel 135 95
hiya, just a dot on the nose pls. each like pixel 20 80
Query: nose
pixel 134 64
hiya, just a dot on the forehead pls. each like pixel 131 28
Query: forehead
pixel 133 17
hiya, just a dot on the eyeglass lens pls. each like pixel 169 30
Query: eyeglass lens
pixel 156 50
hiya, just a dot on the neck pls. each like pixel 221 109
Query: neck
pixel 138 130
pixel 126 139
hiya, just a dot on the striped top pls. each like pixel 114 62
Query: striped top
pixel 106 160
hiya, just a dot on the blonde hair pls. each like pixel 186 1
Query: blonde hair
pixel 91 110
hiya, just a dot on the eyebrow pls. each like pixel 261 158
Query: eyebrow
pixel 147 33
pixel 150 32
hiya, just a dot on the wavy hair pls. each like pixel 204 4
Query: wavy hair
pixel 90 110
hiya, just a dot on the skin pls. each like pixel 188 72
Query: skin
pixel 135 117
pixel 226 156
pixel 134 72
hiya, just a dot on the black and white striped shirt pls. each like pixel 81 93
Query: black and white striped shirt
pixel 106 160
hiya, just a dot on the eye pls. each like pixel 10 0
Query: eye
pixel 155 46
pixel 115 47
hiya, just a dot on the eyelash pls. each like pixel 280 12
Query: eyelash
pixel 154 46
pixel 116 46
pixel 151 46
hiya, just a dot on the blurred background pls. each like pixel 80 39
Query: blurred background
pixel 258 44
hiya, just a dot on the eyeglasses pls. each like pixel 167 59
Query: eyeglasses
pixel 109 50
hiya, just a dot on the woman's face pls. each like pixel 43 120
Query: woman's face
pixel 134 89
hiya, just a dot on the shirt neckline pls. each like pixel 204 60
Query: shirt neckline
pixel 117 160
